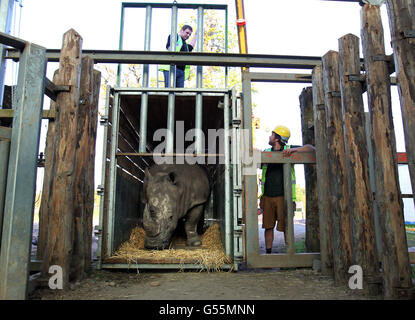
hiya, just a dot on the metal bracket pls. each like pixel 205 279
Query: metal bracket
pixel 103 121
pixel 383 57
pixel 335 93
pixel 100 190
pixel 237 190
pixel 409 34
pixel 236 122
pixel 321 107
pixel 356 77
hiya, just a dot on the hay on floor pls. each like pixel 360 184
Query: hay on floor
pixel 210 256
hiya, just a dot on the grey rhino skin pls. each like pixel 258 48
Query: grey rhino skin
pixel 171 192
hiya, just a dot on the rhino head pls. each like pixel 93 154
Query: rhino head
pixel 161 195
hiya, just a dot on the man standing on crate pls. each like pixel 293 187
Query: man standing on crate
pixel 182 71
pixel 272 185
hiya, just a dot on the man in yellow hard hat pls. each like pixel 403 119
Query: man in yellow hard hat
pixel 272 184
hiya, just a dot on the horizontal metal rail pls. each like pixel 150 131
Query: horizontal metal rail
pixel 14 42
pixel 190 58
pixel 165 155
pixel 178 5
pixel 129 90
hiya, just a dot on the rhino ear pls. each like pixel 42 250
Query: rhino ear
pixel 173 177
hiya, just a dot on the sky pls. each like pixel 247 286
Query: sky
pixel 277 27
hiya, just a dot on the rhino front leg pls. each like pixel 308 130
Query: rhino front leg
pixel 190 226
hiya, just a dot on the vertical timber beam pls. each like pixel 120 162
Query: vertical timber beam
pixel 322 164
pixel 395 258
pixel 402 26
pixel 47 180
pixel 84 171
pixel 357 165
pixel 342 243
pixel 312 230
pixel 21 180
pixel 59 244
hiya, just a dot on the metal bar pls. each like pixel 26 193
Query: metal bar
pixel 6 14
pixel 228 212
pixel 280 77
pixel 103 176
pixel 149 154
pixel 169 5
pixel 21 178
pixel 192 58
pixel 199 84
pixel 14 42
pixel 51 89
pixel 172 84
pixel 129 90
pixel 9 113
pixel 226 46
pixel 120 44
pixel 144 98
pixel 4 163
pixel 136 266
pixel 288 198
pixel 113 174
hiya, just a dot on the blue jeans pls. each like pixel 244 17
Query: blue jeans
pixel 179 78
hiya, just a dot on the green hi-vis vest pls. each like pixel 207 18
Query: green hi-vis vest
pixel 166 67
pixel 264 173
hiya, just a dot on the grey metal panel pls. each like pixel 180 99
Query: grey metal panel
pixel 21 180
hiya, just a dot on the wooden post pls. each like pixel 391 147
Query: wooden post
pixel 322 164
pixel 337 188
pixel 402 23
pixel 395 257
pixel 312 230
pixel 357 164
pixel 59 245
pixel 84 174
pixel 47 181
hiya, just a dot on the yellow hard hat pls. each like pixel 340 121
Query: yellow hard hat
pixel 283 132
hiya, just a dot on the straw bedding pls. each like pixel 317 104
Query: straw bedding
pixel 210 256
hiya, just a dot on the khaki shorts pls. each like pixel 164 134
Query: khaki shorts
pixel 273 210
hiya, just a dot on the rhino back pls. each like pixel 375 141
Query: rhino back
pixel 191 178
